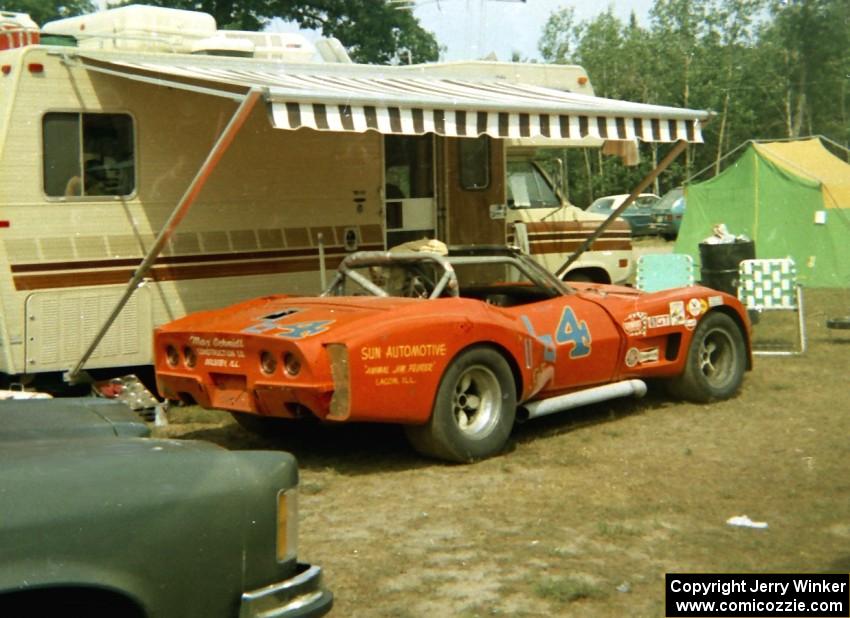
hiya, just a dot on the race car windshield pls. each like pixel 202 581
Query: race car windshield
pixel 431 276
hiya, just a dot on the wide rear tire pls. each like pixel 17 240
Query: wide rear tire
pixel 474 409
pixel 717 358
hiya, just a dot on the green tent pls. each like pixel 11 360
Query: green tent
pixel 792 198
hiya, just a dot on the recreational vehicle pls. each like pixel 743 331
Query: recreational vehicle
pixel 152 165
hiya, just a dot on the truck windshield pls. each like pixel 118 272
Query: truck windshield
pixel 528 187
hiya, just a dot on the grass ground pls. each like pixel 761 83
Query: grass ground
pixel 587 510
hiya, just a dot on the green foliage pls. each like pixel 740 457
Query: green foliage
pixel 371 30
pixel 566 589
pixel 767 68
pixel 560 36
pixel 43 11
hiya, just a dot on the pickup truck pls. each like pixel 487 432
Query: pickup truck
pixel 545 225
pixel 99 520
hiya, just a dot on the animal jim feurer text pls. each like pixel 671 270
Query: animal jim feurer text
pixel 768 594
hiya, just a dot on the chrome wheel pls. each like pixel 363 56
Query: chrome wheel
pixel 474 409
pixel 476 401
pixel 715 363
pixel 716 357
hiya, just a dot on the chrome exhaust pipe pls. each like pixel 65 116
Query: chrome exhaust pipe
pixel 626 388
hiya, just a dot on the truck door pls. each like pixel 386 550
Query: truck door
pixel 475 188
pixel 409 205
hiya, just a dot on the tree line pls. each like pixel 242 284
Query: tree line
pixel 373 31
pixel 769 69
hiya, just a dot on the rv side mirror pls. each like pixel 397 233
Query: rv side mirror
pixel 559 176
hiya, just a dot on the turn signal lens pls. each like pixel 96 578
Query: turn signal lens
pixel 189 357
pixel 268 363
pixel 171 355
pixel 287 525
pixel 291 364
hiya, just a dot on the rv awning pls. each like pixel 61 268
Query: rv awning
pixel 361 98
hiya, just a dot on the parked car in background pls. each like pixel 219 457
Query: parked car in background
pixel 638 214
pixel 667 214
pixel 99 520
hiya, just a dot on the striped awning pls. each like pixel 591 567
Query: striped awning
pixel 362 98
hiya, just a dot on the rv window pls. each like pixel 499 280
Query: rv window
pixel 88 154
pixel 408 166
pixel 474 156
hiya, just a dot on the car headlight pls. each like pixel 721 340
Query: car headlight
pixel 287 524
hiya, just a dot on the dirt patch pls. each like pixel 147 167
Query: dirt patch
pixel 587 510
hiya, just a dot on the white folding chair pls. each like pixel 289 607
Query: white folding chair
pixel 662 271
pixel 771 285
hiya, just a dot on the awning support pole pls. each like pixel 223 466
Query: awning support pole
pixel 177 215
pixel 641 187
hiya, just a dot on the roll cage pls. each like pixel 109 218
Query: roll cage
pixel 430 275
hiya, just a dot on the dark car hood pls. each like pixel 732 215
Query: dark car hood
pixel 77 417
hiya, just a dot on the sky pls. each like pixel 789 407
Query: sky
pixel 472 29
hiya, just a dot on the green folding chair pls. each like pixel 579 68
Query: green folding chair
pixel 663 271
pixel 771 285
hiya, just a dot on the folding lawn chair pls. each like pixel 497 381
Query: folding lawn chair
pixel 771 285
pixel 662 271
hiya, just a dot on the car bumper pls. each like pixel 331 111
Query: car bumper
pixel 300 596
pixel 239 396
pixel 661 228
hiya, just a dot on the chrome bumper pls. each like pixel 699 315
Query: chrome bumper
pixel 300 596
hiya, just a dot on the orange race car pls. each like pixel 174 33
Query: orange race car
pixel 455 347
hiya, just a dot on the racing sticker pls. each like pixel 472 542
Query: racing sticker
pixel 300 330
pixel 695 307
pixel 635 323
pixel 715 301
pixel 677 312
pixel 649 355
pixel 219 351
pixel 403 362
pixel 659 321
pixel 635 356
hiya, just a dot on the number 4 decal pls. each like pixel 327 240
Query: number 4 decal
pixel 300 330
pixel 571 330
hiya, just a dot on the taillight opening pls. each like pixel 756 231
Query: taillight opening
pixel 189 357
pixel 291 364
pixel 268 362
pixel 171 355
